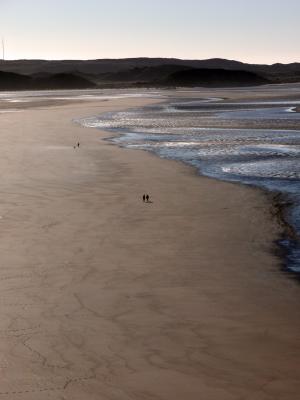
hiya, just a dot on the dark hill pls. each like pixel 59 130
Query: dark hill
pixel 101 66
pixel 166 75
pixel 141 74
pixel 62 81
pixel 13 81
pixel 214 77
pixel 140 69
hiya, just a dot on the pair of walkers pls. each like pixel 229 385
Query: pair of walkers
pixel 146 198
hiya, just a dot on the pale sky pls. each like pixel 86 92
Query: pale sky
pixel 260 31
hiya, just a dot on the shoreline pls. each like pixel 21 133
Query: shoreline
pixel 103 295
pixel 277 201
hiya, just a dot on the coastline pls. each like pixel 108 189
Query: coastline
pixel 105 296
pixel 278 203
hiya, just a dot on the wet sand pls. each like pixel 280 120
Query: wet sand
pixel 105 297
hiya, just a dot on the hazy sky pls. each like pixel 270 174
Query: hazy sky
pixel 262 31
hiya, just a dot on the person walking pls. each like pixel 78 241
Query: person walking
pixel 147 198
pixel 144 198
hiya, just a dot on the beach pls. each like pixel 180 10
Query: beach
pixel 104 296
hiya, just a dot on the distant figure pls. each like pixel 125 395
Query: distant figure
pixel 78 144
pixel 144 198
pixel 147 198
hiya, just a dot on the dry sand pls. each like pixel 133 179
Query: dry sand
pixel 104 297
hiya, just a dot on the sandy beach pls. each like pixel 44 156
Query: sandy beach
pixel 105 297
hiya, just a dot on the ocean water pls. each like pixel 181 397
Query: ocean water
pixel 250 142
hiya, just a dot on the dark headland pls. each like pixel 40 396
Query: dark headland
pixel 139 72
